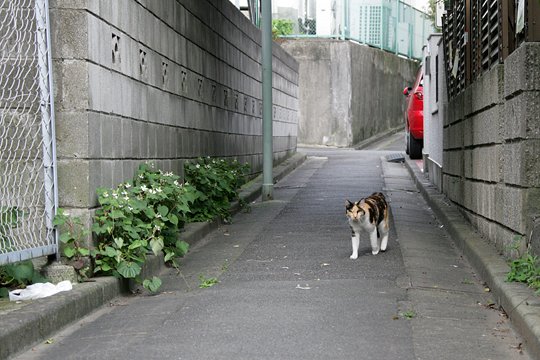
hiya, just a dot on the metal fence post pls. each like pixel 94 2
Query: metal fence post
pixel 47 117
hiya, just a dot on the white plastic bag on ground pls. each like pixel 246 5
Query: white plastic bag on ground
pixel 39 290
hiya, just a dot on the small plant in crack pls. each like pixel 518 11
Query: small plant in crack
pixel 205 282
pixel 409 314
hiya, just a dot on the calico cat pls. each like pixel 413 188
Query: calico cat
pixel 369 214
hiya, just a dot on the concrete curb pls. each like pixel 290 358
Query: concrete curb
pixel 367 142
pixel 37 320
pixel 517 300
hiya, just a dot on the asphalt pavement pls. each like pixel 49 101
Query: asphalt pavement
pixel 287 289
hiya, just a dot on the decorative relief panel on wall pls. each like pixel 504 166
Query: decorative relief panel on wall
pixel 214 93
pixel 143 68
pixel 164 74
pixel 115 44
pixel 226 98
pixel 200 81
pixel 184 85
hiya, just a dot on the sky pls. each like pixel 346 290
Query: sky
pixel 419 4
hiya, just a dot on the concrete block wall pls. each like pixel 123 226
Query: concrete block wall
pixel 162 81
pixel 349 92
pixel 492 152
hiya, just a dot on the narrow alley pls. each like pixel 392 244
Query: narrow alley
pixel 288 290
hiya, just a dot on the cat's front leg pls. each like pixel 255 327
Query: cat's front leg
pixel 374 242
pixel 355 239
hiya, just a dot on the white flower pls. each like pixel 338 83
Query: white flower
pixel 144 188
pixel 141 176
pixel 176 183
pixel 130 208
pixel 158 215
pixel 126 198
pixel 105 195
pixel 157 228
pixel 128 186
pixel 198 166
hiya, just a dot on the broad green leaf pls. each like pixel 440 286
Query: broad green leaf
pixel 84 251
pixel 163 210
pixel 173 219
pixel 136 244
pixel 116 214
pixel 150 213
pixel 69 252
pixel 168 256
pixel 157 245
pixel 110 251
pixel 65 237
pixel 119 242
pixel 105 267
pixel 22 272
pixel 153 284
pixel 128 269
pixel 182 246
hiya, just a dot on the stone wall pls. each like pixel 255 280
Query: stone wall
pixel 492 151
pixel 162 81
pixel 349 92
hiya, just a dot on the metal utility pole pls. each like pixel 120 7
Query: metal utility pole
pixel 266 27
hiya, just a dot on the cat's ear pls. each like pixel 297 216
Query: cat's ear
pixel 348 203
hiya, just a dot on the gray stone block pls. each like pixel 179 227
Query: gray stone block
pixel 71 82
pixel 69 30
pixel 483 163
pixel 73 183
pixel 521 164
pixel 453 187
pixel 522 115
pixel 482 128
pixel 511 202
pixel 521 69
pixel 72 134
pixel 486 91
pixel 94 181
pixel 453 162
pixel 94 135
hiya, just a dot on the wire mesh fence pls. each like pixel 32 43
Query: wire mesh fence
pixel 27 151
pixel 390 25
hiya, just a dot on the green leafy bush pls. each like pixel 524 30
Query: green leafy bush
pixel 217 181
pixel 145 216
pixel 72 234
pixel 139 217
pixel 526 269
pixel 10 217
pixel 18 275
pixel 281 27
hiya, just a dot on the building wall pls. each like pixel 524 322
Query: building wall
pixel 492 151
pixel 161 81
pixel 435 102
pixel 348 92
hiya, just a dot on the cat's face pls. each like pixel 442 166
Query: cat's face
pixel 354 211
